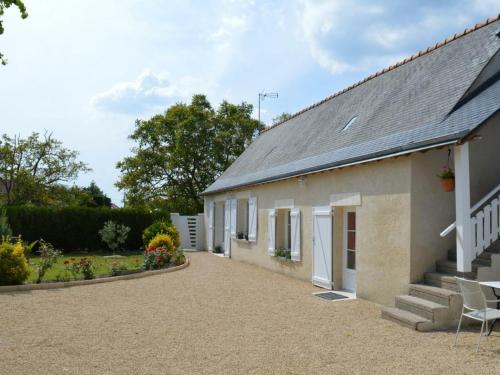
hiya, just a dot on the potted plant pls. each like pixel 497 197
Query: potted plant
pixel 447 178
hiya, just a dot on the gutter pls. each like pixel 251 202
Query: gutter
pixel 394 152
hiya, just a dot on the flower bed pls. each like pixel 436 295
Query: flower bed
pixel 76 266
pixel 18 266
pixel 98 280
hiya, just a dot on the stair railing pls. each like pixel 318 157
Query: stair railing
pixel 485 221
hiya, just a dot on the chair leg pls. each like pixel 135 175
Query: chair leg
pixel 480 335
pixel 458 328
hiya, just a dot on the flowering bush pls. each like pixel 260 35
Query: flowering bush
pixel 156 258
pixel 163 240
pixel 84 266
pixel 159 252
pixel 161 227
pixel 446 173
pixel 14 268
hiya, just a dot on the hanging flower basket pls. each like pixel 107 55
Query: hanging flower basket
pixel 448 184
pixel 447 179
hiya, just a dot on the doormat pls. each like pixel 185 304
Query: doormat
pixel 330 296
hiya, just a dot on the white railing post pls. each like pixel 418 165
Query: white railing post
pixel 462 208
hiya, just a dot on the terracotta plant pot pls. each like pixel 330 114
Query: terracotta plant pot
pixel 448 184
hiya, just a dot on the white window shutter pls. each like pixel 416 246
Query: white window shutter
pixel 227 228
pixel 295 234
pixel 234 205
pixel 211 211
pixel 271 231
pixel 252 219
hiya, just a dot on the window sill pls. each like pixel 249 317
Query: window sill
pixel 285 260
pixel 242 240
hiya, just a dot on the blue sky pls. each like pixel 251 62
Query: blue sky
pixel 85 70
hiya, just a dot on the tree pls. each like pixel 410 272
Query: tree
pixel 97 196
pixel 180 152
pixel 31 168
pixel 5 4
pixel 283 117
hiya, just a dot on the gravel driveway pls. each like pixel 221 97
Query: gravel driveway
pixel 219 316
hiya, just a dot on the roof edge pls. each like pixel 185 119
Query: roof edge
pixel 398 151
pixel 448 40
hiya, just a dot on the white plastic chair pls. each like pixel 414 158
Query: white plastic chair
pixel 476 302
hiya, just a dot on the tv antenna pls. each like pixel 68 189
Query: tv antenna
pixel 263 95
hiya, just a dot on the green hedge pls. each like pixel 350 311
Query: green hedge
pixel 76 228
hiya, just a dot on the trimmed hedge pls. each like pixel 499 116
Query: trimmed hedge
pixel 76 228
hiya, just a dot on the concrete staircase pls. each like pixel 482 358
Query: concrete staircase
pixel 435 303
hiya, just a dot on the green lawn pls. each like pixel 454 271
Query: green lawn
pixel 102 266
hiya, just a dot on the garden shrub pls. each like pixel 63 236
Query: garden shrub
pixel 179 257
pixel 83 266
pixel 159 252
pixel 161 227
pixel 14 268
pixel 76 228
pixel 156 258
pixel 48 257
pixel 114 234
pixel 162 240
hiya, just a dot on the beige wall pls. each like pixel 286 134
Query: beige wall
pixel 401 214
pixel 432 210
pixel 383 224
pixel 485 159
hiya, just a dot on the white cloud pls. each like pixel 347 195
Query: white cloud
pixel 321 20
pixel 358 35
pixel 148 91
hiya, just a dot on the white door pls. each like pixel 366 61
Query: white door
pixel 349 251
pixel 227 228
pixel 322 247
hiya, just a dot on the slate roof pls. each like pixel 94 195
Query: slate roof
pixel 415 103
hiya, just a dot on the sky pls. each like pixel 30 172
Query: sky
pixel 86 70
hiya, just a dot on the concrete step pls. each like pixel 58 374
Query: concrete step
pixel 407 319
pixel 433 311
pixel 442 296
pixel 441 280
pixel 450 267
pixel 482 261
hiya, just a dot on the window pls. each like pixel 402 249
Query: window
pixel 242 219
pixel 351 240
pixel 283 230
pixel 348 125
pixel 283 233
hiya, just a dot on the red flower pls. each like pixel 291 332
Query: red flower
pixel 66 261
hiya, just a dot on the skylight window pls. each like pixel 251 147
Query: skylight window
pixel 348 125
